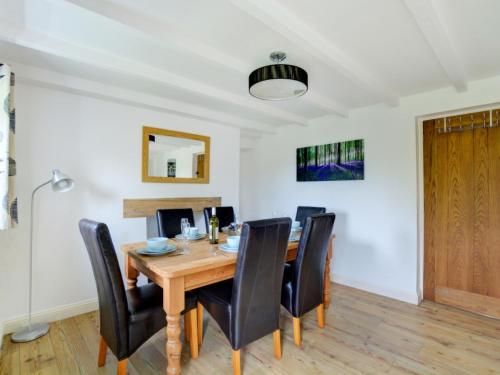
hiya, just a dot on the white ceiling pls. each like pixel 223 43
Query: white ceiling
pixel 199 52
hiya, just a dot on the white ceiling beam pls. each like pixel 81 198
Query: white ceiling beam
pixel 110 62
pixel 167 34
pixel 247 143
pixel 250 134
pixel 278 18
pixel 325 103
pixel 434 31
pixel 63 82
pixel 157 29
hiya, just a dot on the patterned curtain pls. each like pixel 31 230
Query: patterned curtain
pixel 8 209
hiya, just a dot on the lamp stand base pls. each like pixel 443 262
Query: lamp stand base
pixel 29 334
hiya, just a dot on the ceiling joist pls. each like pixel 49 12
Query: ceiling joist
pixel 434 32
pixel 166 34
pixel 278 18
pixel 104 60
pixel 97 90
pixel 123 15
pixel 93 89
pixel 158 30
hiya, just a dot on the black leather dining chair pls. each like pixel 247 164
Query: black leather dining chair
pixel 303 280
pixel 169 220
pixel 303 212
pixel 225 215
pixel 128 318
pixel 247 307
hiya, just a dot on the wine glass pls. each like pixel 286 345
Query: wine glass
pixel 237 222
pixel 185 225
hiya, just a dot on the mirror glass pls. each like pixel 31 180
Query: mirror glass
pixel 175 157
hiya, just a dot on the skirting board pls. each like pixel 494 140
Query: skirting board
pixel 51 315
pixel 400 295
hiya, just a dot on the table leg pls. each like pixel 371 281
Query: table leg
pixel 131 274
pixel 327 283
pixel 173 303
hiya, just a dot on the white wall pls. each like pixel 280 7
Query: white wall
pixel 98 144
pixel 376 227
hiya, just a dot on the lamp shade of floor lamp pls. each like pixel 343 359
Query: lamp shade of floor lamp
pixel 60 183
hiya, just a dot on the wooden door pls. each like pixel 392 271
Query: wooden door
pixel 200 165
pixel 462 212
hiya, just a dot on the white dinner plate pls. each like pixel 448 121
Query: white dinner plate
pixel 154 253
pixel 225 247
pixel 191 238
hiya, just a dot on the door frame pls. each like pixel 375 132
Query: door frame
pixel 419 129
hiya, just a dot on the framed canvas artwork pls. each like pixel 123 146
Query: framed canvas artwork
pixel 332 162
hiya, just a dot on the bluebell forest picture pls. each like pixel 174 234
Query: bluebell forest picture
pixel 330 162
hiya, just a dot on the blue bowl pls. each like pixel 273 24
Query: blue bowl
pixel 157 243
pixel 233 241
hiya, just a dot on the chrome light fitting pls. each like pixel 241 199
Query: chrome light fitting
pixel 278 81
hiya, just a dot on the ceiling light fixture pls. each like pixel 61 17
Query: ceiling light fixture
pixel 278 81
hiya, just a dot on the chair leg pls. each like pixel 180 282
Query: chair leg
pixel 236 362
pixel 103 349
pixel 277 343
pixel 187 325
pixel 296 331
pixel 122 367
pixel 199 318
pixel 321 315
pixel 193 342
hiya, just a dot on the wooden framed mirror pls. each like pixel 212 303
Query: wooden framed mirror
pixel 173 156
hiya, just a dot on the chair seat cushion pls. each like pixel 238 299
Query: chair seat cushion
pixel 145 305
pixel 191 300
pixel 287 288
pixel 143 299
pixel 216 299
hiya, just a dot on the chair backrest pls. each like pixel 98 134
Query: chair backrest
pixel 113 311
pixel 169 220
pixel 225 215
pixel 256 296
pixel 309 268
pixel 303 212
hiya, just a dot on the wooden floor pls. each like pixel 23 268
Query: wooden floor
pixel 365 334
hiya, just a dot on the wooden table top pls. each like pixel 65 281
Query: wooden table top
pixel 202 256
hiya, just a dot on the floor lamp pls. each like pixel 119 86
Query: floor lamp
pixel 60 183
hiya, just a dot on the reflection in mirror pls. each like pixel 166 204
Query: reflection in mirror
pixel 175 157
pixel 170 156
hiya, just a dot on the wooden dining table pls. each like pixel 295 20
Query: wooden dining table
pixel 203 264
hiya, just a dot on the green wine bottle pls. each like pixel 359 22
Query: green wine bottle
pixel 213 234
